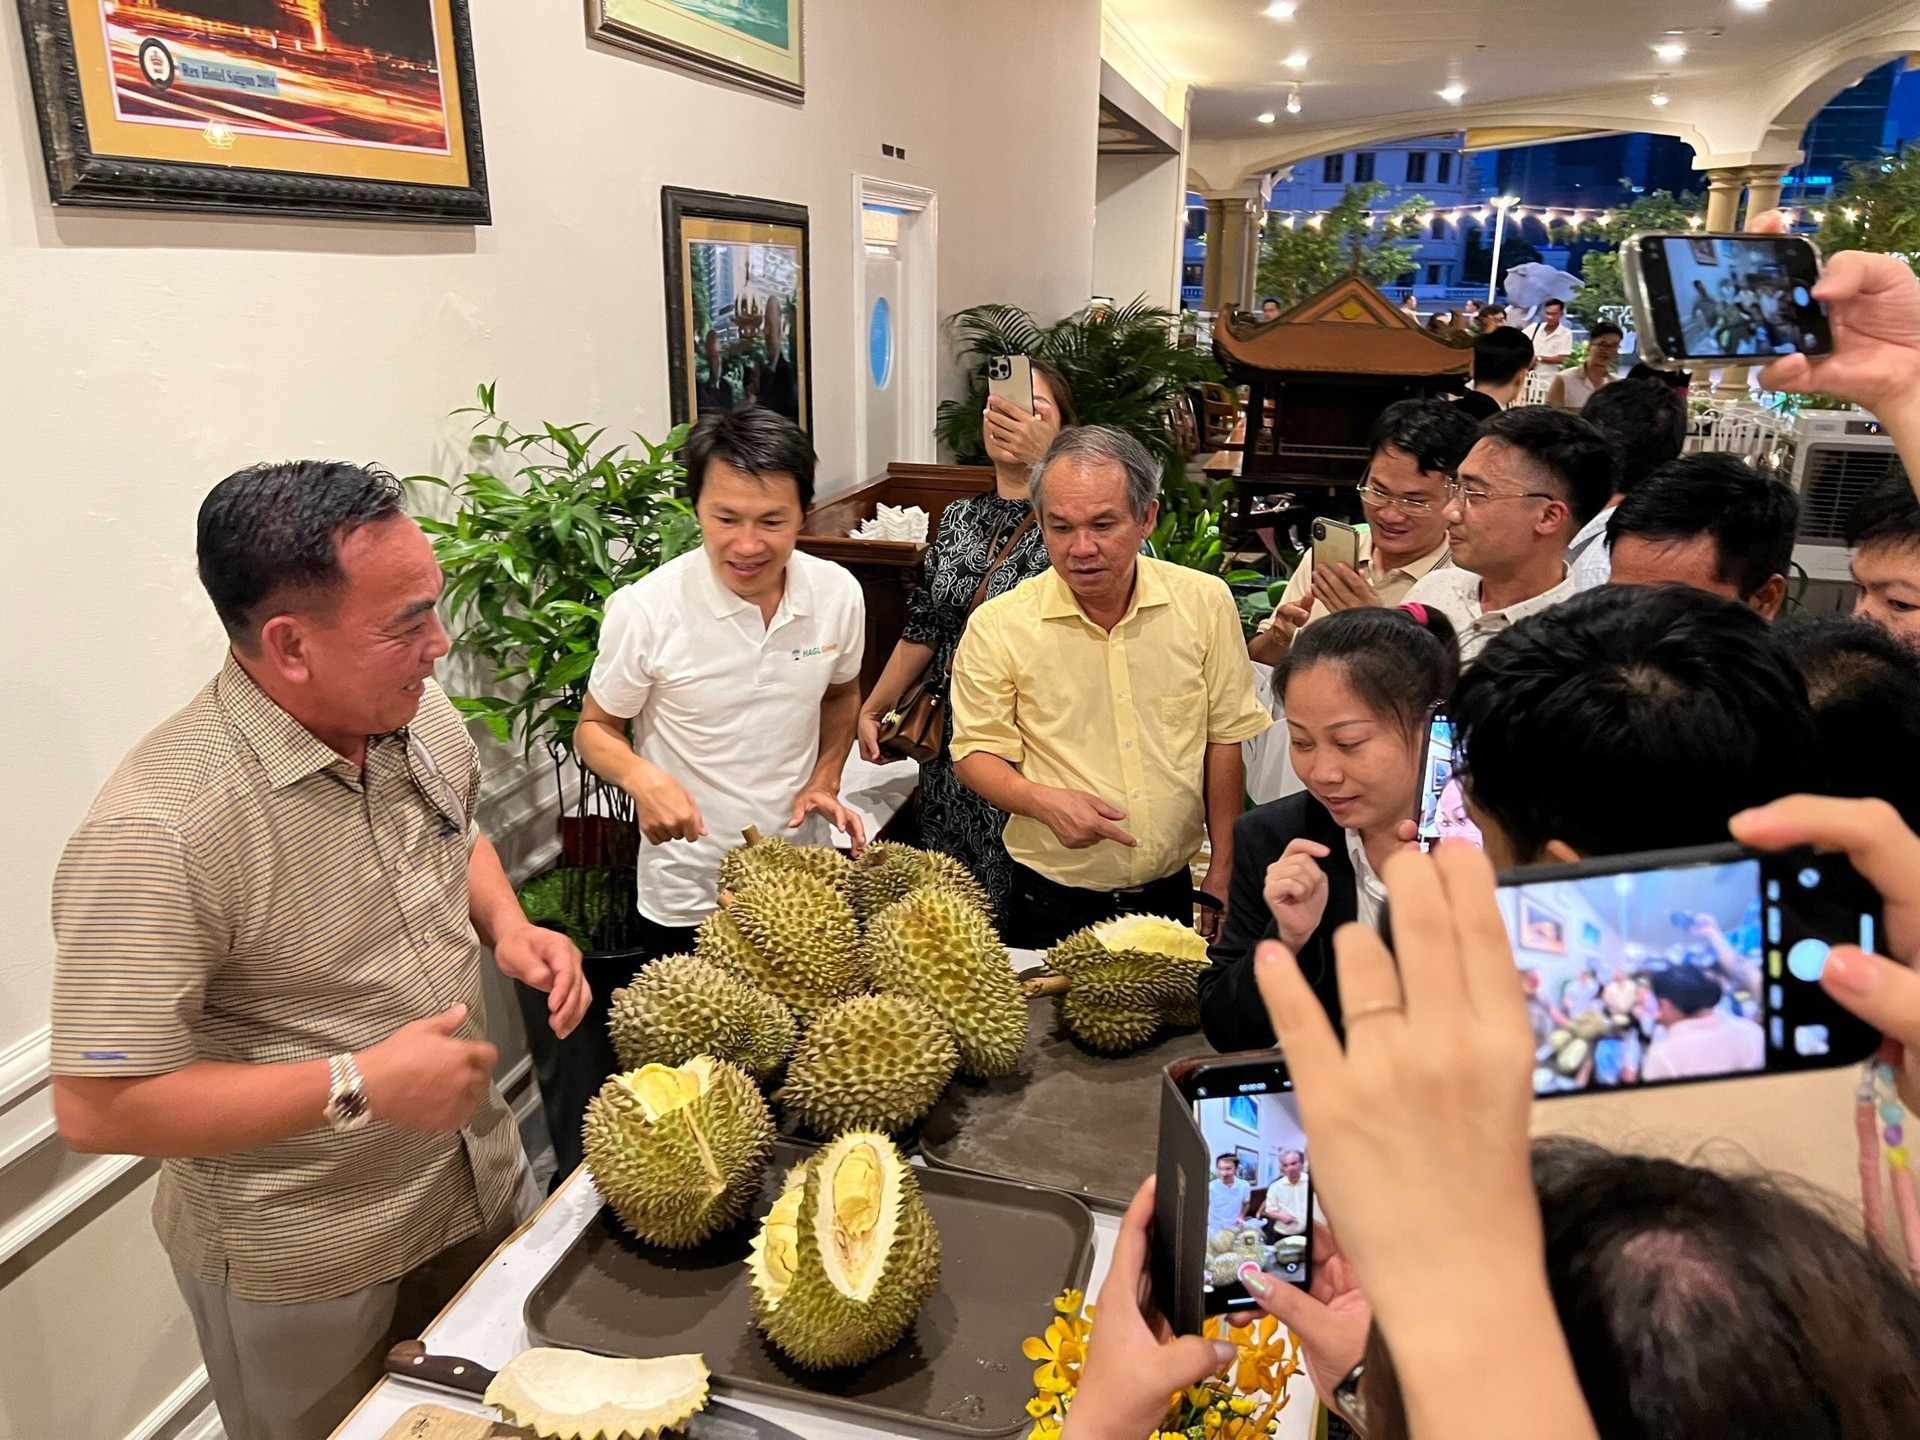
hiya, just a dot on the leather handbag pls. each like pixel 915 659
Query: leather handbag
pixel 916 727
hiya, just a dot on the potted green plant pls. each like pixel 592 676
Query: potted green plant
pixel 546 525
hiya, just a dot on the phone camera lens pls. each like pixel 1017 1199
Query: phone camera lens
pixel 1809 878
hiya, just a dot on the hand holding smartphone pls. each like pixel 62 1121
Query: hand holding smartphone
pixel 1010 378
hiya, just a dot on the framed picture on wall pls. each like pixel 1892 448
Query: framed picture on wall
pixel 1541 929
pixel 739 305
pixel 333 108
pixel 1243 1114
pixel 751 42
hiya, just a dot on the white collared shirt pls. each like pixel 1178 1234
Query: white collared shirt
pixel 1455 593
pixel 1589 561
pixel 1369 890
pixel 1555 346
pixel 1290 1196
pixel 726 704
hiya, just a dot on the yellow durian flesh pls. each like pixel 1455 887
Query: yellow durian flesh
pixel 571 1395
pixel 1154 935
pixel 663 1089
pixel 858 1202
pixel 775 1251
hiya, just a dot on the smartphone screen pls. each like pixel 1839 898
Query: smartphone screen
pixel 1721 295
pixel 1700 968
pixel 1443 801
pixel 1259 1193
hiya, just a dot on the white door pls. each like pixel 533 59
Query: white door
pixel 884 327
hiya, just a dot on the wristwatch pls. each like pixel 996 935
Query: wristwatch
pixel 347 1106
pixel 1346 1399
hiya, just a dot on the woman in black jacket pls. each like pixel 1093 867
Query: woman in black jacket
pixel 1359 686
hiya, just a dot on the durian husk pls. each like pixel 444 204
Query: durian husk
pixel 678 1177
pixel 792 936
pixel 744 864
pixel 797 1303
pixel 938 948
pixel 874 1062
pixel 887 872
pixel 680 1007
pixel 571 1395
pixel 1127 980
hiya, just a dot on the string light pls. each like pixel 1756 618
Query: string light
pixel 1695 221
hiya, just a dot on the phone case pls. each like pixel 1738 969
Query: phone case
pixel 1340 538
pixel 1646 330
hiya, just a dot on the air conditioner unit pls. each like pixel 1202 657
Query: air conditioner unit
pixel 1838 456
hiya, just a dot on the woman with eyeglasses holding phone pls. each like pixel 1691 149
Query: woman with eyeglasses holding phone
pixel 1416 446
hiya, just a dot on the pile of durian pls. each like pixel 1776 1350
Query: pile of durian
pixel 859 989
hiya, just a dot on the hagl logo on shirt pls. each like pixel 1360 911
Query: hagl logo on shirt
pixel 813 650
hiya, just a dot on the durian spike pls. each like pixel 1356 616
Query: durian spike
pixel 1044 986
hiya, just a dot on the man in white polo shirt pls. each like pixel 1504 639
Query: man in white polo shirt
pixel 738 665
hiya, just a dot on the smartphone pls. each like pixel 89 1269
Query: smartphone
pixel 1335 543
pixel 1441 806
pixel 1235 1186
pixel 1011 378
pixel 1714 299
pixel 1686 965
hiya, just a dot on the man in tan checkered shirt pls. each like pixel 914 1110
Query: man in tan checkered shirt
pixel 268 967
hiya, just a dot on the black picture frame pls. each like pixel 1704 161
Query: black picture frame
pixel 677 207
pixel 78 175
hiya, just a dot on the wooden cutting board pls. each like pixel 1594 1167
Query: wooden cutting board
pixel 436 1422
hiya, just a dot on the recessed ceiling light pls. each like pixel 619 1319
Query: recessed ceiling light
pixel 1750 4
pixel 1281 10
pixel 1296 61
pixel 1671 50
pixel 1659 97
pixel 1265 117
pixel 1293 101
pixel 1454 93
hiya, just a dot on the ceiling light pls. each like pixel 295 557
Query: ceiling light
pixel 1659 97
pixel 1265 117
pixel 1750 4
pixel 1283 9
pixel 1296 61
pixel 1454 93
pixel 1293 101
pixel 1672 50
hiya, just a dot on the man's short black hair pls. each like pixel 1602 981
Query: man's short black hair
pixel 1434 433
pixel 272 532
pixel 1494 309
pixel 1499 355
pixel 1751 517
pixel 1633 718
pixel 1567 447
pixel 1605 327
pixel 1234 1158
pixel 1887 515
pixel 1555 301
pixel 1688 988
pixel 1266 300
pixel 1865 688
pixel 1646 423
pixel 754 439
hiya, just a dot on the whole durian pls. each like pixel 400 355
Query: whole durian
pixel 886 873
pixel 875 1062
pixel 1220 1242
pixel 847 1256
pixel 1223 1269
pixel 680 1007
pixel 936 947
pixel 1118 984
pixel 760 859
pixel 792 936
pixel 678 1151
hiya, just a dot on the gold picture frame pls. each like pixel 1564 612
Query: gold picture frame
pixel 756 43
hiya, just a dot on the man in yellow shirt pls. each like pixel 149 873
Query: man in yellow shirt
pixel 1102 705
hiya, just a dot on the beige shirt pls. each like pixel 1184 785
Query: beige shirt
pixel 1126 716
pixel 1455 593
pixel 241 893
pixel 1391 585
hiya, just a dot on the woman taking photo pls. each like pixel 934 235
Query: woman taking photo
pixel 1358 688
pixel 993 532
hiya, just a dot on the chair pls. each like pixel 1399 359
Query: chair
pixel 1219 413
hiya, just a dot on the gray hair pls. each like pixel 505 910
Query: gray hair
pixel 1103 444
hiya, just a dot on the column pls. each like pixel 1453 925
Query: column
pixel 1723 198
pixel 1234 219
pixel 1763 190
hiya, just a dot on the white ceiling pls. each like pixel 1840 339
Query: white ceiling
pixel 1379 57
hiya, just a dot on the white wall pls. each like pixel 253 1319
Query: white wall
pixel 1139 222
pixel 146 356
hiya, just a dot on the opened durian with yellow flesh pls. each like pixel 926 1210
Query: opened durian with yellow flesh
pixel 875 1062
pixel 571 1395
pixel 847 1256
pixel 937 948
pixel 790 935
pixel 678 1151
pixel 680 1007
pixel 1119 984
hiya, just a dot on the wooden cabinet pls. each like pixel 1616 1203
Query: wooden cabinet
pixel 887 570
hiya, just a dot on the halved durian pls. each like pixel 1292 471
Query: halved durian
pixel 571 1395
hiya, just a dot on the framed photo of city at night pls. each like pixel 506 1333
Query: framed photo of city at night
pixel 364 109
pixel 750 42
pixel 739 305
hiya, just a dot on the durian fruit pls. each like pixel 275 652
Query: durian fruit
pixel 791 935
pixel 680 1007
pixel 886 873
pixel 936 947
pixel 847 1256
pixel 875 1062
pixel 1224 1269
pixel 572 1395
pixel 1118 984
pixel 1220 1242
pixel 678 1151
pixel 759 859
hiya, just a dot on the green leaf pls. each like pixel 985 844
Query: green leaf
pixel 568 670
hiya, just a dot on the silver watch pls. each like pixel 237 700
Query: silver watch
pixel 1346 1399
pixel 347 1107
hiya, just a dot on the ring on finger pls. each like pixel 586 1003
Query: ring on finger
pixel 1377 1007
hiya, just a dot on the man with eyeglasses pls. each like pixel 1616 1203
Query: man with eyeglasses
pixel 267 975
pixel 1416 446
pixel 1534 477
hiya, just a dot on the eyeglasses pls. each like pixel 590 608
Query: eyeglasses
pixel 1371 494
pixel 1470 498
pixel 434 787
